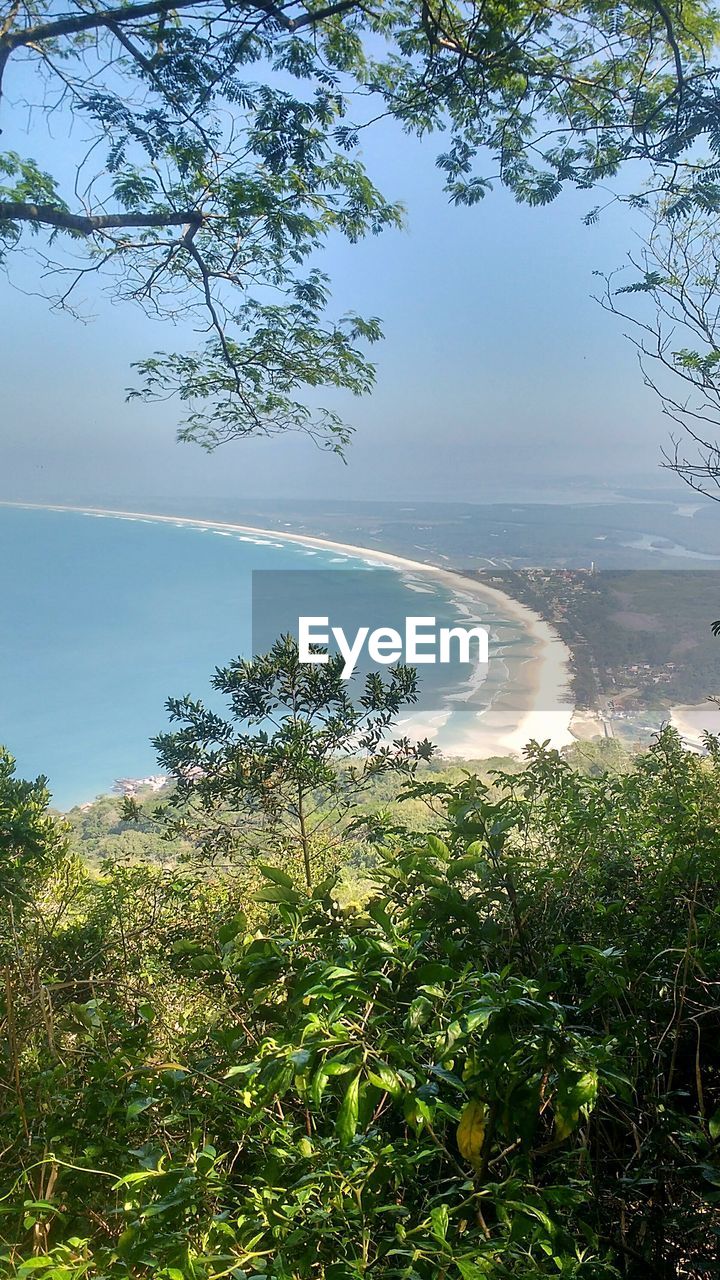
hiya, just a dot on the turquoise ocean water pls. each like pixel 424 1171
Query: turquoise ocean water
pixel 103 618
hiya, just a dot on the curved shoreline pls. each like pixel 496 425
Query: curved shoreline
pixel 693 720
pixel 545 710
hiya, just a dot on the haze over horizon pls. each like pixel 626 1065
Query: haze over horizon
pixel 498 373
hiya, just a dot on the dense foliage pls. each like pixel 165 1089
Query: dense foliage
pixel 291 762
pixel 502 1061
pixel 31 842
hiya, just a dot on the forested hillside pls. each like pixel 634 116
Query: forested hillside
pixel 498 1058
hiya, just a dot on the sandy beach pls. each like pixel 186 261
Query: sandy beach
pixel 536 705
pixel 694 719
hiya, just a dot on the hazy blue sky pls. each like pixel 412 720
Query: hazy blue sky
pixel 498 372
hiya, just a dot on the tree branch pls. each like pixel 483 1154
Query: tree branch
pixel 52 215
pixel 662 13
pixel 319 15
pixel 112 19
pixel 76 22
pixel 73 23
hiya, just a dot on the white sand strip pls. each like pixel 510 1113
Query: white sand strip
pixel 694 719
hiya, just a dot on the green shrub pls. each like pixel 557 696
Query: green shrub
pixel 499 1059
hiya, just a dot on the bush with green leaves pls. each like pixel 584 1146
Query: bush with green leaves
pixel 288 768
pixel 502 1063
pixel 32 842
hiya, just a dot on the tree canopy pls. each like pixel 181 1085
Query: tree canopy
pixel 291 763
pixel 32 842
pixel 214 149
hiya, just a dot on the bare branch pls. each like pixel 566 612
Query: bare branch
pixel 319 15
pixel 77 22
pixel 87 225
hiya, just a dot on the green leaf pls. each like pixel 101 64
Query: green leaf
pixel 383 1077
pixel 576 1093
pixel 228 931
pixel 434 972
pixel 473 1268
pixel 460 867
pixel 242 1069
pixel 439 1222
pixel 532 1211
pixel 277 876
pixel 133 1179
pixel 318 1085
pixel 381 917
pixel 419 1011
pixel 137 1107
pixel 448 1076
pixel 279 894
pixel 346 1126
pixel 438 848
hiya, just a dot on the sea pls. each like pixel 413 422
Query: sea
pixel 103 617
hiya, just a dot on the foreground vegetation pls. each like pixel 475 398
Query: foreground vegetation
pixel 499 1059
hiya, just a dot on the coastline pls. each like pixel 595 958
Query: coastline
pixel 537 706
pixel 692 720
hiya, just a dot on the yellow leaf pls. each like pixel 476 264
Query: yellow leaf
pixel 471 1131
